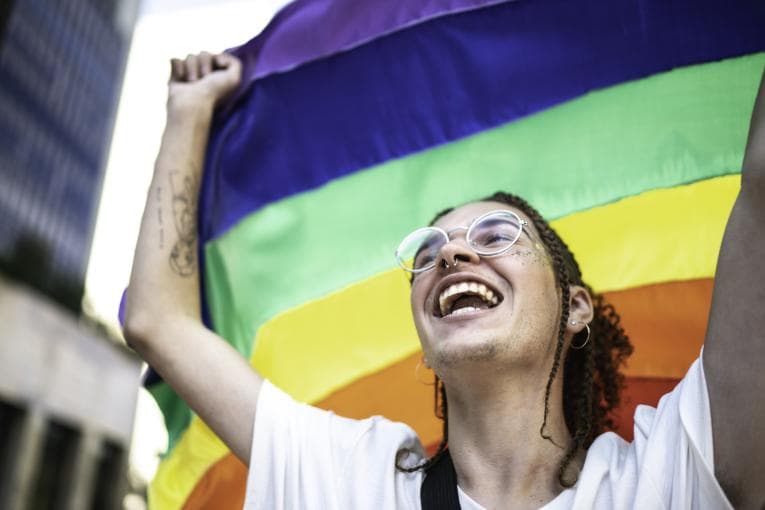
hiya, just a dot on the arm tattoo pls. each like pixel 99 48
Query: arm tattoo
pixel 183 256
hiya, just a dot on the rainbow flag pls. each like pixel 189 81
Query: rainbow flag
pixel 623 122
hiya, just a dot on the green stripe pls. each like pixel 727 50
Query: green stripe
pixel 175 412
pixel 669 129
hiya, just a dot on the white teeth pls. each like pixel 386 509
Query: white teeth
pixel 462 288
pixel 467 309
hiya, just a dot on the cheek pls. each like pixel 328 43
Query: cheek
pixel 418 291
pixel 417 301
pixel 539 281
pixel 532 256
pixel 549 293
pixel 419 307
pixel 550 303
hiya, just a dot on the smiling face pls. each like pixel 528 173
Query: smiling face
pixel 500 309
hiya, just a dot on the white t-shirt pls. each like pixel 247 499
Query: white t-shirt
pixel 307 458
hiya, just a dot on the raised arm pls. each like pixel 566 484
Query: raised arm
pixel 734 352
pixel 162 320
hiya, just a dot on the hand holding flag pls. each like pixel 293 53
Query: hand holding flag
pixel 203 79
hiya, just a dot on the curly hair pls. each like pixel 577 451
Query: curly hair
pixel 592 381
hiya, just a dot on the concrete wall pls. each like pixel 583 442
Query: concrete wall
pixel 69 399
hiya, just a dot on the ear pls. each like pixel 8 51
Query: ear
pixel 580 309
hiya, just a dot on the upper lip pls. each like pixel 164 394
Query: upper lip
pixel 464 276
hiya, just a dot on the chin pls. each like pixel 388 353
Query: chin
pixel 467 351
pixel 485 351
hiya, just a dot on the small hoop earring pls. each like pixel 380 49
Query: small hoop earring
pixel 417 373
pixel 574 323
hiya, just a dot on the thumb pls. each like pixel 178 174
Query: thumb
pixel 228 62
pixel 231 68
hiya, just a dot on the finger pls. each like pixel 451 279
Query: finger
pixel 224 60
pixel 230 67
pixel 177 70
pixel 205 63
pixel 192 68
pixel 231 64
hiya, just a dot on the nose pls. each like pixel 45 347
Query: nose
pixel 455 251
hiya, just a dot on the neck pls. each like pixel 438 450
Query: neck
pixel 495 441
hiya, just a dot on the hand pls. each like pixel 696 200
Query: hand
pixel 202 81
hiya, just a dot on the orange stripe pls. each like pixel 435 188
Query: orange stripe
pixel 666 323
pixel 393 392
pixel 222 486
pixel 640 390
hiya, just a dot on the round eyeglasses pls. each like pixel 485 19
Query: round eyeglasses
pixel 490 234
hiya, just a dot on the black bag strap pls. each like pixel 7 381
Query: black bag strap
pixel 439 488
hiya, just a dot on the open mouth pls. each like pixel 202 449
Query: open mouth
pixel 465 297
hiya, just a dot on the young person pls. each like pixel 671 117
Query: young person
pixel 497 300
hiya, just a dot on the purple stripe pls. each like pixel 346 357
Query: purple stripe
pixel 307 30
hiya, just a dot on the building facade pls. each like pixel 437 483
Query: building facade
pixel 67 391
pixel 61 67
pixel 67 402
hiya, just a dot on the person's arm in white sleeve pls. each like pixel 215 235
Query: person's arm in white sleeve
pixel 734 351
pixel 162 320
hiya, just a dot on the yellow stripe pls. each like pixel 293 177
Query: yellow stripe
pixel 658 236
pixel 346 335
pixel 178 473
pixel 322 346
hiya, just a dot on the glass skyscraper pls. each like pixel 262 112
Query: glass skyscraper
pixel 61 66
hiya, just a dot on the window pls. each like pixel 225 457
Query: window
pixel 5 14
pixel 108 477
pixel 56 467
pixel 11 424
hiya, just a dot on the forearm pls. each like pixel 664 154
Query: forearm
pixel 162 319
pixel 165 279
pixel 734 349
pixel 753 167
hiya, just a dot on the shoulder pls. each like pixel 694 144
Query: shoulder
pixel 305 454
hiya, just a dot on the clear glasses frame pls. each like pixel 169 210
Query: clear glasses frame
pixel 475 246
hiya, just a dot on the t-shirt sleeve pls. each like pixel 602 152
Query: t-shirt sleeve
pixel 669 464
pixel 305 457
pixel 674 447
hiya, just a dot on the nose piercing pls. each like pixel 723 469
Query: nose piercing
pixel 447 266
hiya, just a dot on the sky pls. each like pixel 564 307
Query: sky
pixel 165 29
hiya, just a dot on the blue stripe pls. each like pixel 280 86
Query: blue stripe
pixel 446 79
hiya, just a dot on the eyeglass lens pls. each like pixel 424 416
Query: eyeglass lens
pixel 490 235
pixel 421 248
pixel 494 233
